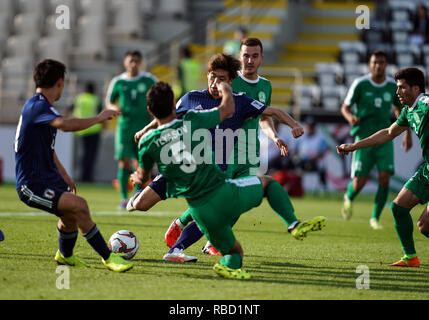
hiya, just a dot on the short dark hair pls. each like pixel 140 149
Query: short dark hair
pixel 48 72
pixel 90 87
pixel 378 54
pixel 133 53
pixel 225 62
pixel 160 99
pixel 252 42
pixel 412 76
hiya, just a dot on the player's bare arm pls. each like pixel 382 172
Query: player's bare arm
pixel 152 125
pixel 380 137
pixel 75 124
pixel 267 125
pixel 140 176
pixel 112 106
pixel 407 142
pixel 348 115
pixel 70 182
pixel 227 106
pixel 286 119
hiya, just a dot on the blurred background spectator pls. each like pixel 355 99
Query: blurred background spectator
pixel 87 104
pixel 310 150
pixel 189 72
pixel 420 31
pixel 232 46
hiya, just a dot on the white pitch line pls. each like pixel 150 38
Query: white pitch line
pixel 99 213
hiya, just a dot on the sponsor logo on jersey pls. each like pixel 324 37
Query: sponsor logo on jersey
pixel 49 194
pixel 387 97
pixel 141 87
pixel 416 117
pixel 262 97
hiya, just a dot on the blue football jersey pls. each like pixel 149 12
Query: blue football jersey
pixel 245 108
pixel 34 143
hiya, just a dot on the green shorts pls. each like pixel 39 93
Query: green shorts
pixel 419 183
pixel 216 212
pixel 365 159
pixel 125 147
pixel 235 171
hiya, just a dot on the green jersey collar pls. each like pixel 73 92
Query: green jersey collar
pixel 415 102
pixel 247 80
pixel 386 80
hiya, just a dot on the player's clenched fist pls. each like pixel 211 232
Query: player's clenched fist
pixel 345 149
pixel 108 114
pixel 297 131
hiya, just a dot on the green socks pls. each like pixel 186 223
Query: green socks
pixel 351 193
pixel 186 217
pixel 404 229
pixel 123 175
pixel 280 202
pixel 380 201
pixel 232 260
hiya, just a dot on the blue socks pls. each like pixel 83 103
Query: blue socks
pixel 66 242
pixel 96 241
pixel 189 236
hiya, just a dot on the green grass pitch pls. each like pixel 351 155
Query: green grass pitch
pixel 323 266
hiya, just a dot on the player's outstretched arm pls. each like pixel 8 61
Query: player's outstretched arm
pixel 140 176
pixel 75 124
pixel 380 137
pixel 112 106
pixel 286 119
pixel 152 125
pixel 267 125
pixel 407 141
pixel 227 105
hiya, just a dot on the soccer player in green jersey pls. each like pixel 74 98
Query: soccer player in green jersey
pixel 127 94
pixel 414 115
pixel 259 88
pixel 202 183
pixel 373 95
pixel 223 67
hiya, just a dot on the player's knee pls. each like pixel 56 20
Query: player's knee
pixel 423 228
pixel 81 210
pixel 384 180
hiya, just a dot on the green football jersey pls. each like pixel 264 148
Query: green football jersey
pixel 417 117
pixel 182 150
pixel 259 89
pixel 373 104
pixel 130 95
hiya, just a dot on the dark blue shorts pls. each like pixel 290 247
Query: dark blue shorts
pixel 44 196
pixel 159 185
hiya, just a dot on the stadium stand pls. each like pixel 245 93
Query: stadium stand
pixel 311 44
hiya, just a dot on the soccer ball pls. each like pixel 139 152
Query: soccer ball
pixel 124 241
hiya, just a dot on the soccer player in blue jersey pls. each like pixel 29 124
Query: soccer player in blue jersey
pixel 41 180
pixel 221 68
